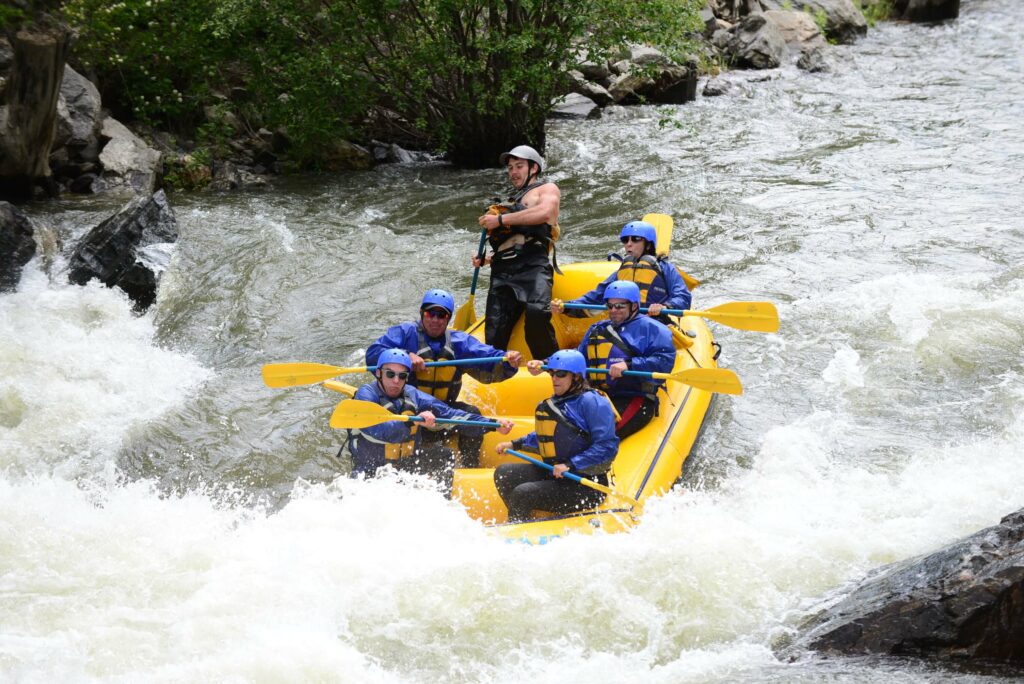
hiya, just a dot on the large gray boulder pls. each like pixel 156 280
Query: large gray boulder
pixel 925 10
pixel 965 602
pixel 17 245
pixel 756 43
pixel 129 250
pixel 844 22
pixel 78 116
pixel 797 28
pixel 128 162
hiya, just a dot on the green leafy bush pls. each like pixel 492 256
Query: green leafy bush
pixel 474 76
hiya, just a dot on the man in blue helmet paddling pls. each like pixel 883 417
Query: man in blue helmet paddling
pixel 430 339
pixel 522 234
pixel 627 341
pixel 661 285
pixel 575 432
pixel 397 443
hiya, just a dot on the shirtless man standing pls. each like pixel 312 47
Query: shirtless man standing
pixel 521 239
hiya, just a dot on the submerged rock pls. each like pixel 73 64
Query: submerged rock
pixel 17 245
pixel 129 250
pixel 965 602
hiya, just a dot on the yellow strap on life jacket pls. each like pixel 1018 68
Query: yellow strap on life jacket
pixel 641 271
pixel 546 418
pixel 437 381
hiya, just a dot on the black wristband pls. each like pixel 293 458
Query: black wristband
pixel 500 221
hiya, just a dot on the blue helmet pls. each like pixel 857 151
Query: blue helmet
pixel 569 360
pixel 641 228
pixel 438 298
pixel 399 356
pixel 623 289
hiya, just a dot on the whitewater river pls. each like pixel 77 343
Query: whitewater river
pixel 166 518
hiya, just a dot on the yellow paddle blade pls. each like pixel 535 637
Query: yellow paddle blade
pixel 663 225
pixel 465 315
pixel 292 374
pixel 756 316
pixel 721 380
pixel 355 413
pixel 347 390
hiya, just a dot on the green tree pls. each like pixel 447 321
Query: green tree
pixel 480 75
pixel 476 77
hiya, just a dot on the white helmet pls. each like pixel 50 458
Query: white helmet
pixel 523 152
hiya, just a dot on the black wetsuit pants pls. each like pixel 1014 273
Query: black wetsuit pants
pixel 523 289
pixel 525 487
pixel 470 438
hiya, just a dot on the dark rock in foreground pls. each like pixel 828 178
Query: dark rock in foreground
pixel 965 602
pixel 125 250
pixel 17 245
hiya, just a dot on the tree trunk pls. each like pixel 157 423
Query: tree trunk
pixel 481 141
pixel 27 122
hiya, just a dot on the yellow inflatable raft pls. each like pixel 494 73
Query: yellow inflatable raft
pixel 648 463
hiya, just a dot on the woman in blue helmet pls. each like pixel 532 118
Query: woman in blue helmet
pixel 398 442
pixel 575 432
pixel 661 285
pixel 430 339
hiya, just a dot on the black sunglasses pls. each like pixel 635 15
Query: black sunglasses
pixel 389 374
pixel 437 313
pixel 559 373
pixel 618 306
pixel 632 238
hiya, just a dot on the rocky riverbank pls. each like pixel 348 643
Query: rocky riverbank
pixel 93 152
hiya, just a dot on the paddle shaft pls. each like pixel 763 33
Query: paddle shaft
pixel 575 478
pixel 454 362
pixel 480 256
pixel 453 421
pixel 643 309
pixel 635 374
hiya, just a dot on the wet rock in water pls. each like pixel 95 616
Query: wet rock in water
pixel 17 245
pixel 129 250
pixel 716 87
pixel 813 59
pixel 963 603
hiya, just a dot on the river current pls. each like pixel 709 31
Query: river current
pixel 166 518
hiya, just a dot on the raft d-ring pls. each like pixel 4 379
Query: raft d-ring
pixel 718 351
